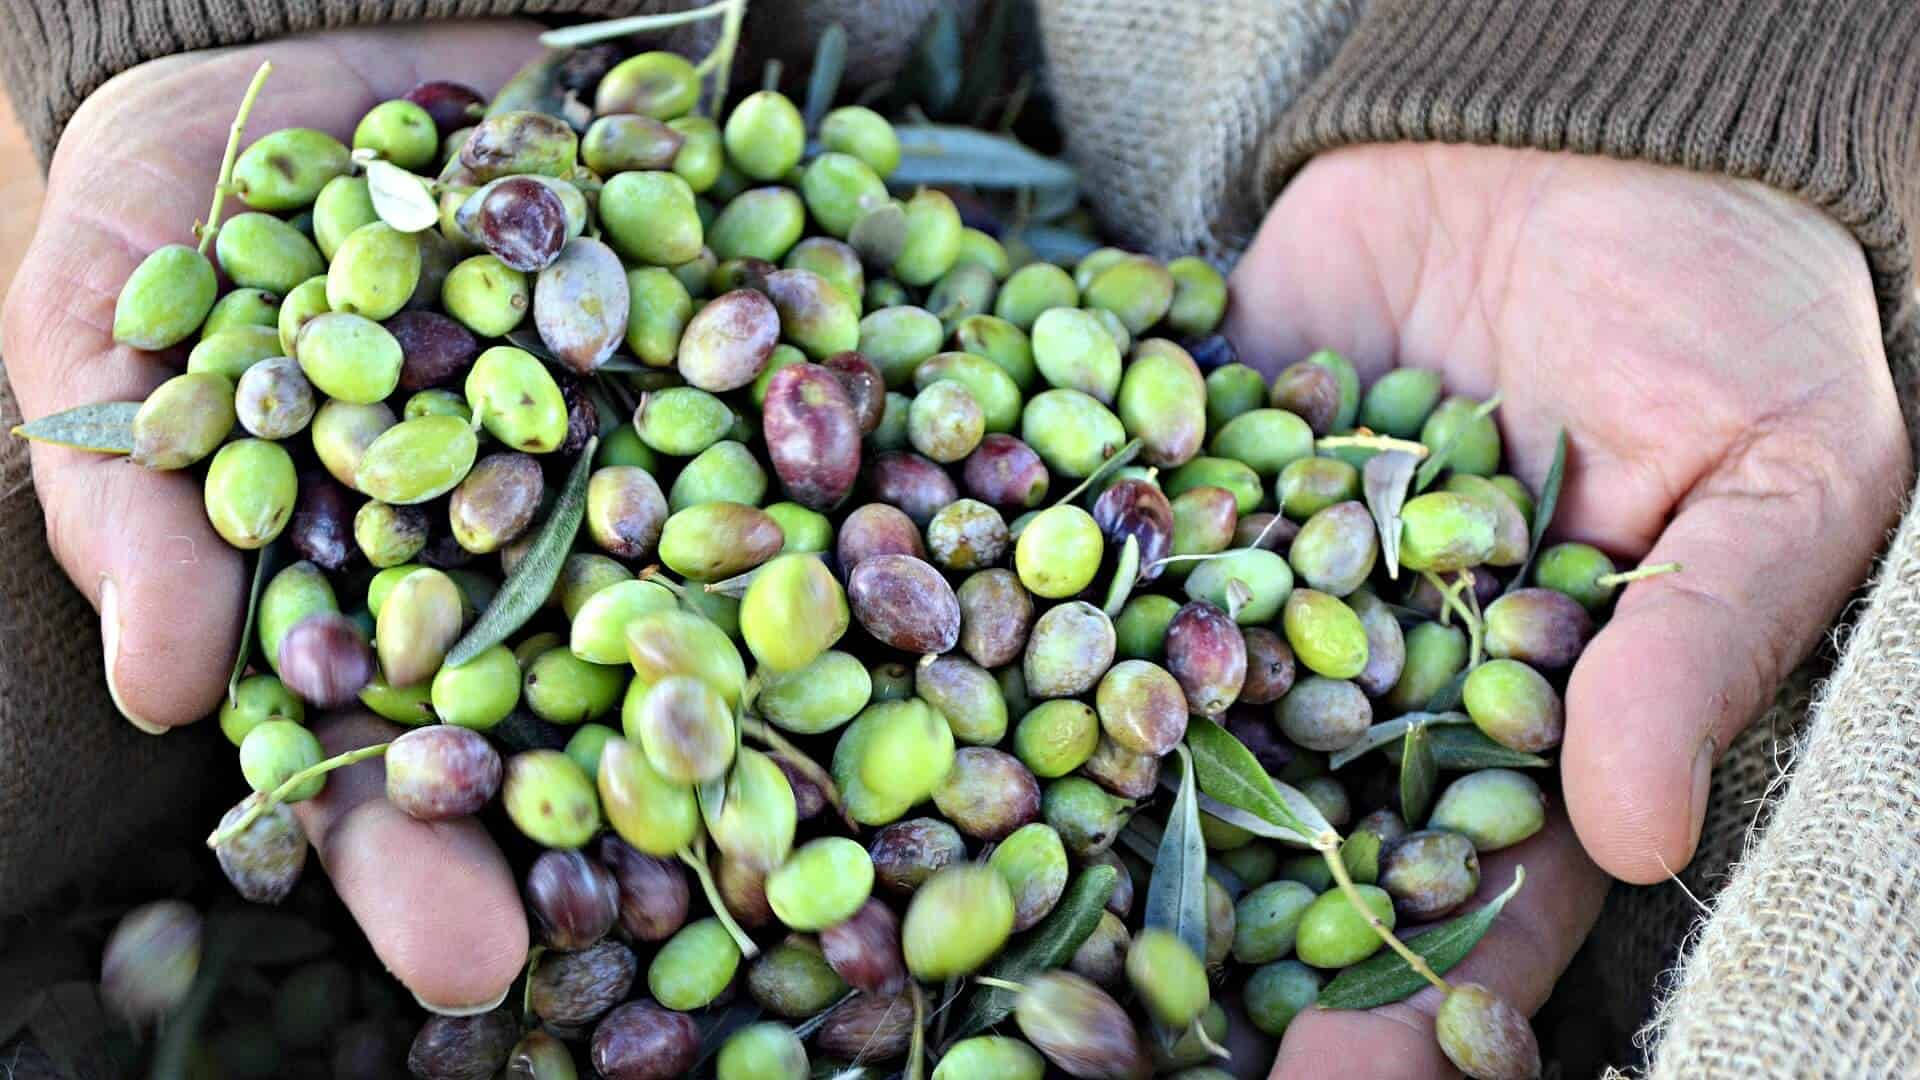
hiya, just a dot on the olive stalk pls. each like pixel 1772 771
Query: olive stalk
pixel 762 732
pixel 526 993
pixel 1367 440
pixel 1113 461
pixel 1638 573
pixel 1328 844
pixel 719 62
pixel 711 888
pixel 917 1048
pixel 290 785
pixel 588 33
pixel 1008 985
pixel 1468 610
pixel 224 185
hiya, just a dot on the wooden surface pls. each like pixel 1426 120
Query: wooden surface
pixel 20 191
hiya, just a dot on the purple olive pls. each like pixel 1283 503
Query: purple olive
pixel 325 660
pixel 812 434
pixel 322 525
pixel 574 900
pixel 434 349
pixel 865 949
pixel 1138 509
pixel 912 483
pixel 520 220
pixel 864 386
pixel 452 105
pixel 642 1041
pixel 1005 472
pixel 905 603
pixel 877 529
pixel 442 771
pixel 653 892
pixel 1208 655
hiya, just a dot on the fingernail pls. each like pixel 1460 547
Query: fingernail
pixel 1702 785
pixel 110 648
pixel 462 1010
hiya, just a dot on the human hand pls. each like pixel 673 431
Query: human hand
pixel 135 170
pixel 1713 350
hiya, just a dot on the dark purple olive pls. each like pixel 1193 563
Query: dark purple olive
pixel 726 345
pixel 573 989
pixel 996 613
pixel 496 502
pixel 870 1027
pixel 1256 731
pixel 434 350
pixel 907 853
pixel 463 1047
pixel 264 860
pixel 905 603
pixel 574 900
pixel 322 526
pixel 1139 509
pixel 912 483
pixel 1269 666
pixel 642 1041
pixel 863 384
pixel 442 771
pixel 1005 472
pixel 520 220
pixel 1208 656
pixel 325 660
pixel 812 434
pixel 808 799
pixel 452 105
pixel 1215 350
pixel 877 529
pixel 653 892
pixel 865 949
pixel 583 420
pixel 1273 535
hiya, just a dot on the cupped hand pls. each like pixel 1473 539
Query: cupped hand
pixel 134 170
pixel 1713 351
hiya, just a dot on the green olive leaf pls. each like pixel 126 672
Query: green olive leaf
pixel 526 590
pixel 1384 978
pixel 829 66
pixel 1418 774
pixel 1464 749
pixel 1048 945
pixel 1385 480
pixel 1447 698
pixel 1055 245
pixel 1118 459
pixel 1143 838
pixel 1177 892
pixel 102 428
pixel 535 87
pixel 1124 574
pixel 1227 771
pixel 939 155
pixel 1543 508
pixel 265 563
pixel 1390 731
pixel 932 75
pixel 1430 469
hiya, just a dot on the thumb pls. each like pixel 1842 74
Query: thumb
pixel 1690 658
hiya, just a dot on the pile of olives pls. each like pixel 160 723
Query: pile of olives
pixel 827 590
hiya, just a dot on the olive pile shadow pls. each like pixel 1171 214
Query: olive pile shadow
pixel 862 423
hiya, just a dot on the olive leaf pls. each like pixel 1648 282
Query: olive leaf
pixel 1177 892
pixel 829 66
pixel 932 75
pixel 1447 698
pixel 939 154
pixel 1390 731
pixel 1543 508
pixel 1430 468
pixel 1385 978
pixel 1115 460
pixel 1143 838
pixel 1055 245
pixel 1418 774
pixel 400 198
pixel 1463 749
pixel 535 87
pixel 1228 772
pixel 1125 572
pixel 102 428
pixel 1385 479
pixel 264 565
pixel 1049 945
pixel 525 591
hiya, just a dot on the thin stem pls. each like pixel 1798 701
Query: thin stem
pixel 588 33
pixel 1638 573
pixel 290 785
pixel 1449 596
pixel 755 728
pixel 1114 461
pixel 917 1050
pixel 714 900
pixel 806 1029
pixel 1000 984
pixel 1476 626
pixel 720 60
pixel 1207 1043
pixel 1374 442
pixel 222 186
pixel 1328 845
pixel 526 993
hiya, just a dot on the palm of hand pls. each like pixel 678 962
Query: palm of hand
pixel 135 170
pixel 1713 352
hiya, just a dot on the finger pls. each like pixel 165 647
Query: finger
pixel 436 899
pixel 1531 943
pixel 1689 659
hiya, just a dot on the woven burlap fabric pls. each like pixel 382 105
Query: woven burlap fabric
pixel 1165 115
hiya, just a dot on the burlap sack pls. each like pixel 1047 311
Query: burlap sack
pixel 1164 114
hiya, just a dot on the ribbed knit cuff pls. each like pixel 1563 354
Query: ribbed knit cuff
pixel 1821 100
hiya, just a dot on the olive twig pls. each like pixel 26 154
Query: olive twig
pixel 711 888
pixel 224 185
pixel 290 785
pixel 1638 573
pixel 1328 844
pixel 588 33
pixel 1370 441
